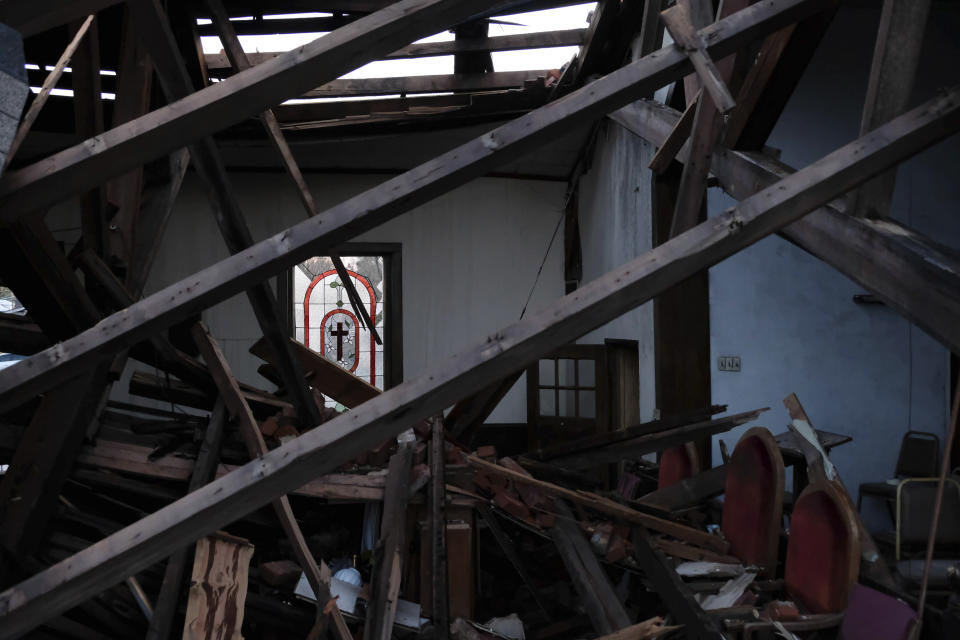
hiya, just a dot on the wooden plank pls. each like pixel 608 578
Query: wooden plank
pixel 317 574
pixel 390 551
pixel 393 197
pixel 654 442
pixel 218 588
pixel 439 591
pixel 911 273
pixel 678 22
pixel 27 604
pixel 675 141
pixel 510 551
pixel 468 414
pixel 895 60
pixel 688 492
pixel 148 385
pixel 588 577
pixel 458 82
pixel 18 334
pixel 208 456
pixel 671 589
pixel 516 42
pixel 607 506
pixel 226 103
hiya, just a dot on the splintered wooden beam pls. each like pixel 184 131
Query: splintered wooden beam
pixel 389 554
pixel 46 594
pixel 203 472
pixel 154 28
pixel 911 273
pixel 317 575
pixel 685 35
pixel 895 60
pixel 587 575
pixel 394 197
pixel 239 61
pixel 225 103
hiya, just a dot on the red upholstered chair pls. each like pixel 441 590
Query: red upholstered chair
pixel 753 499
pixel 823 550
pixel 678 463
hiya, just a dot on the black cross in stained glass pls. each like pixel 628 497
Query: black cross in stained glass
pixel 340 333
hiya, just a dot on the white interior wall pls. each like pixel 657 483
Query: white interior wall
pixel 469 260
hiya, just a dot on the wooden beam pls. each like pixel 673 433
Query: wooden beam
pixel 226 103
pixel 911 273
pixel 238 58
pixel 686 36
pixel 154 28
pixel 317 575
pixel 26 605
pixel 688 492
pixel 467 415
pixel 678 137
pixel 516 42
pixel 398 195
pixel 895 60
pixel 18 334
pixel 390 552
pixel 654 442
pixel 203 472
pixel 510 551
pixel 587 575
pixel 458 82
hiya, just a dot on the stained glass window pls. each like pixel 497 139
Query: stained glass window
pixel 326 322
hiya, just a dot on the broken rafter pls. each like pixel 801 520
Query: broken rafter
pixel 398 195
pixel 27 604
pixel 487 81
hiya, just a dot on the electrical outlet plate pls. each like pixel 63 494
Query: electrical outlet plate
pixel 728 363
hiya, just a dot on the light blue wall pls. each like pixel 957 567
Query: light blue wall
pixel 858 369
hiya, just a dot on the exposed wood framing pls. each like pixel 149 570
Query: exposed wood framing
pixel 675 141
pixel 46 594
pixel 895 60
pixel 510 551
pixel 411 189
pixel 911 273
pixel 30 17
pixel 225 103
pixel 588 577
pixel 680 22
pixel 487 81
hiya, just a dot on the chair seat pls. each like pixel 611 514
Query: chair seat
pixel 881 489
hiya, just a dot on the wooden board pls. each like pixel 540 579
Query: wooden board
pixel 218 589
pixel 677 464
pixel 753 500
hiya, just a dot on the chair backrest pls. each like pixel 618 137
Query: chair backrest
pixel 823 550
pixel 915 499
pixel 872 615
pixel 753 499
pixel 678 463
pixel 919 455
